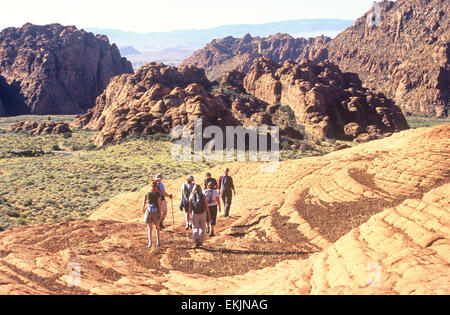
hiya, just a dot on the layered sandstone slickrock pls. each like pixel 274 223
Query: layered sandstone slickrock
pixel 58 69
pixel 228 54
pixel 372 219
pixel 328 102
pixel 401 48
pixel 39 128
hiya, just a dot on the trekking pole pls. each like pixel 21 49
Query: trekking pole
pixel 173 219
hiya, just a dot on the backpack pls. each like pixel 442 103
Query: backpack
pixel 210 180
pixel 198 203
pixel 209 196
pixel 187 190
pixel 152 209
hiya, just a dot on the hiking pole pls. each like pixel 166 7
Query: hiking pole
pixel 173 219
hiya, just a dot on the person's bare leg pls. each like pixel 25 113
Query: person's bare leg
pixel 158 232
pixel 149 232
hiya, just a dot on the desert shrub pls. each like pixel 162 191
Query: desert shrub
pixel 28 202
pixel 76 147
pixel 20 221
pixel 67 135
pixel 56 147
pixel 90 147
pixel 12 213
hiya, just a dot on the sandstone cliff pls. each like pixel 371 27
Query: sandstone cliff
pixel 2 109
pixel 11 102
pixel 57 69
pixel 227 54
pixel 402 49
pixel 328 102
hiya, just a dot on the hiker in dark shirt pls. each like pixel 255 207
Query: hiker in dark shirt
pixel 209 179
pixel 151 207
pixel 226 187
pixel 186 191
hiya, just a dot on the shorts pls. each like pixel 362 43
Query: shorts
pixel 213 212
pixel 152 218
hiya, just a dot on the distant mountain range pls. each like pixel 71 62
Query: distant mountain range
pixel 175 46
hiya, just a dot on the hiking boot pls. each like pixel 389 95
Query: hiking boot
pixel 207 230
pixel 158 243
pixel 161 226
pixel 212 234
pixel 197 244
pixel 188 226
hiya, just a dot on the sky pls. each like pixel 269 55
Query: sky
pixel 166 15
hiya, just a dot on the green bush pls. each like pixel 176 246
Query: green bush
pixel 20 221
pixel 12 214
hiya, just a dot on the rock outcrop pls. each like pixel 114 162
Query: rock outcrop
pixel 373 219
pixel 159 98
pixel 402 49
pixel 2 109
pixel 11 102
pixel 155 99
pixel 39 128
pixel 228 54
pixel 57 69
pixel 330 104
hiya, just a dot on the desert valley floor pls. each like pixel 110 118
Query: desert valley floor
pixel 318 225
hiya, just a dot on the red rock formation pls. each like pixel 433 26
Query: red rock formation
pixel 328 102
pixel 402 49
pixel 11 102
pixel 36 128
pixel 2 109
pixel 57 69
pixel 156 98
pixel 227 54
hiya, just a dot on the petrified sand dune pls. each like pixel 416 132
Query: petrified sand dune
pixel 372 219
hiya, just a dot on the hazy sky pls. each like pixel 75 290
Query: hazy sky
pixel 151 16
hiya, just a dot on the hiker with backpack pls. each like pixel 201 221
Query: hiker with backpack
pixel 164 195
pixel 226 188
pixel 213 200
pixel 186 191
pixel 198 214
pixel 152 210
pixel 209 179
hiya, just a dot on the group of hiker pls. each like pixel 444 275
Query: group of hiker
pixel 201 205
